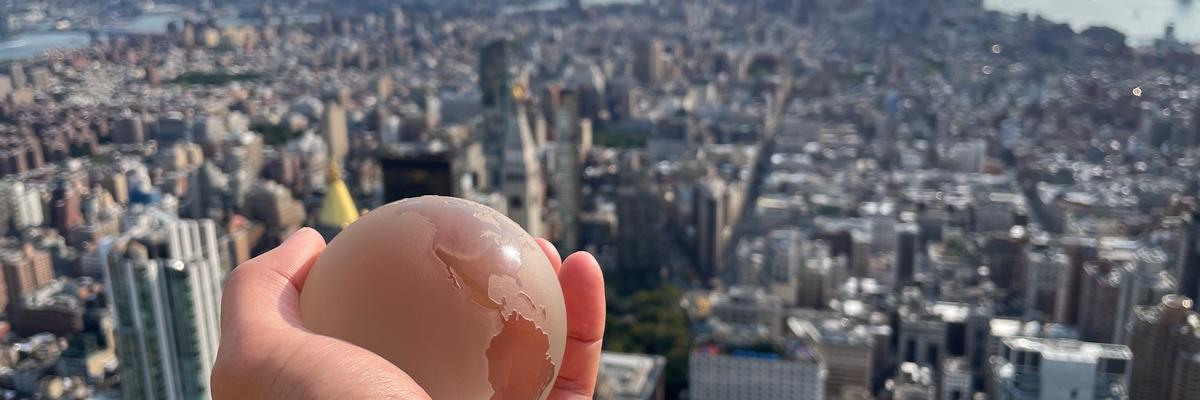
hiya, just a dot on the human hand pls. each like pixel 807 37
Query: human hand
pixel 266 353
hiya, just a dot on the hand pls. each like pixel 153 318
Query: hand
pixel 266 353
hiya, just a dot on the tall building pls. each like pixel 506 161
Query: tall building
pixel 1144 284
pixel 334 130
pixel 640 247
pixel 522 177
pixel 1050 369
pixel 24 202
pixel 165 283
pixel 648 55
pixel 710 218
pixel 906 255
pixel 567 174
pixel 26 268
pixel 1189 268
pixel 1045 266
pixel 724 371
pixel 1098 297
pixel 1165 346
pixel 796 270
pixel 499 110
pixel 1066 303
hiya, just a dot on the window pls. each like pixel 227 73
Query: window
pixel 515 203
pixel 1114 366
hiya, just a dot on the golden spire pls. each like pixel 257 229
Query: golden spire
pixel 337 209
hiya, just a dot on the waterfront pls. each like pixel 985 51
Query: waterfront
pixel 1142 21
pixel 30 44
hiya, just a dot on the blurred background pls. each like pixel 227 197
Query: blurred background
pixel 791 199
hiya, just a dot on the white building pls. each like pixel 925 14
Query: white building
pixel 25 202
pixel 721 373
pixel 165 281
pixel 522 177
pixel 1047 369
pixel 625 376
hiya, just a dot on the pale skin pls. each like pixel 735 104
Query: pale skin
pixel 266 353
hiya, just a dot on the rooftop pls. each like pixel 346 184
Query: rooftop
pixel 1069 350
pixel 626 376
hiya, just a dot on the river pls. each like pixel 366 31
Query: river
pixel 1141 20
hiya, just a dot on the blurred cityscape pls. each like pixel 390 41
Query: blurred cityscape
pixel 791 199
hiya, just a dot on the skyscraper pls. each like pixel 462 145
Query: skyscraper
pixel 496 87
pixel 709 210
pixel 1045 266
pixel 567 174
pixel 648 60
pixel 1164 352
pixel 1144 284
pixel 334 130
pixel 522 177
pixel 906 255
pixel 165 283
pixel 640 248
pixel 1189 268
pixel 1098 296
pixel 1066 303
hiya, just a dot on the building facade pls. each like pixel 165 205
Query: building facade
pixel 1048 369
pixel 165 282
pixel 716 374
pixel 1164 351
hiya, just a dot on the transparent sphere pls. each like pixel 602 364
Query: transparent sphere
pixel 451 291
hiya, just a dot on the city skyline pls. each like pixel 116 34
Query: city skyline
pixel 809 199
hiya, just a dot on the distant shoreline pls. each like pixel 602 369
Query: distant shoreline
pixel 1142 22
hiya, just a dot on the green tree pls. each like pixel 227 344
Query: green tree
pixel 652 322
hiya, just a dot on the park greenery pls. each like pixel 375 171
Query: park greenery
pixel 214 78
pixel 651 321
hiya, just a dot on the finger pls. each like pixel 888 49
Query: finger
pixel 583 292
pixel 552 253
pixel 266 289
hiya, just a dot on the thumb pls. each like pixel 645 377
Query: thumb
pixel 264 292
